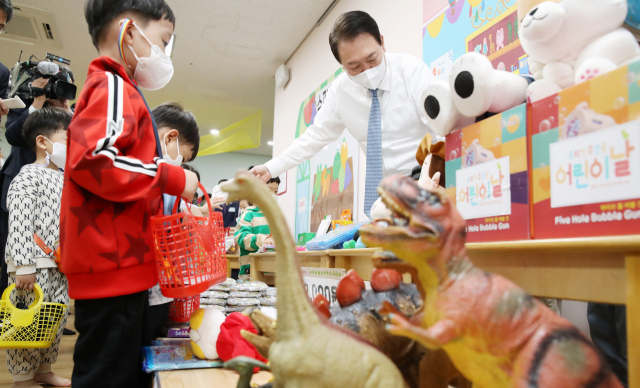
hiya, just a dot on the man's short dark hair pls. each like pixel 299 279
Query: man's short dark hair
pixel 100 13
pixel 172 115
pixel 192 169
pixel 6 6
pixel 276 179
pixel 348 26
pixel 45 122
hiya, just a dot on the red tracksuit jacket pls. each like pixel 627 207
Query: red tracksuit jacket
pixel 113 183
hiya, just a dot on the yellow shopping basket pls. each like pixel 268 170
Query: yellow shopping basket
pixel 35 327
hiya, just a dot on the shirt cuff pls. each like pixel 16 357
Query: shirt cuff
pixel 32 109
pixel 276 167
pixel 176 179
pixel 26 269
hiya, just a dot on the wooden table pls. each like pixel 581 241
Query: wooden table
pixel 262 263
pixel 232 263
pixel 205 378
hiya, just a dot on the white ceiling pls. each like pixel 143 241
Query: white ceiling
pixel 225 57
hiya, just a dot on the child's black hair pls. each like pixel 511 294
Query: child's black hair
pixel 172 115
pixel 45 122
pixel 192 169
pixel 276 179
pixel 100 13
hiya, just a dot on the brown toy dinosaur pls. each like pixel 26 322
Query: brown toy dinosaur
pixel 495 333
pixel 308 351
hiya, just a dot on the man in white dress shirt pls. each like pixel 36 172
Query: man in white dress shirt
pixel 396 79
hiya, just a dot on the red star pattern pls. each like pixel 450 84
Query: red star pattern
pixel 76 129
pixel 138 248
pixel 86 217
pixel 95 167
pixel 118 209
pixel 111 256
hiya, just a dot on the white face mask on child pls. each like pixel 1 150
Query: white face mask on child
pixel 59 154
pixel 174 162
pixel 154 72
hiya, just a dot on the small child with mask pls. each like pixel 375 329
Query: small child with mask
pixel 180 140
pixel 252 231
pixel 33 201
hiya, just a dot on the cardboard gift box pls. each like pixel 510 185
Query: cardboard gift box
pixel 487 174
pixel 586 158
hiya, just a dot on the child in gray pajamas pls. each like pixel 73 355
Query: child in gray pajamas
pixel 33 201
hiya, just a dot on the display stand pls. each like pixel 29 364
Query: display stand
pixel 201 378
pixel 262 263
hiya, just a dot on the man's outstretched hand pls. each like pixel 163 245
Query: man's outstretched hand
pixel 262 172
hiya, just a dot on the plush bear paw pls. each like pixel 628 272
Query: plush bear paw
pixel 592 68
pixel 541 89
pixel 470 82
pixel 438 109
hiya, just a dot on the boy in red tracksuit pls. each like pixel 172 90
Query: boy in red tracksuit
pixel 115 176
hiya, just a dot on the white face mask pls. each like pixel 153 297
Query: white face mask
pixel 174 162
pixel 155 72
pixel 372 78
pixel 275 196
pixel 59 154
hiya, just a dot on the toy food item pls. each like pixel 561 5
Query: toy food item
pixel 571 41
pixel 495 333
pixel 431 157
pixel 306 346
pixel 205 328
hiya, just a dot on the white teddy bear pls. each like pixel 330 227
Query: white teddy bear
pixel 205 328
pixel 571 41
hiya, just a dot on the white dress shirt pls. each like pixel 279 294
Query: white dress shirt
pixel 348 104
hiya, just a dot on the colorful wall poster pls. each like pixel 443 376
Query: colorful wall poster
pixel 334 180
pixel 327 184
pixel 310 107
pixel 488 27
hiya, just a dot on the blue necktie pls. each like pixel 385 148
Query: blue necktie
pixel 374 154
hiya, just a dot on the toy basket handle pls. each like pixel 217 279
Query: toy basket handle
pixel 20 317
pixel 206 196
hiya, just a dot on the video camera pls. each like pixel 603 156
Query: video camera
pixel 60 84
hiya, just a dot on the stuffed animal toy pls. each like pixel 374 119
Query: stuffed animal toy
pixel 231 344
pixel 205 328
pixel 571 41
pixel 474 89
pixel 584 120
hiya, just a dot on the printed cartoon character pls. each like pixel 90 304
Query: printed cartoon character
pixel 500 39
pixel 491 44
pixel 571 41
pixel 510 32
pixel 476 154
pixel 584 120
pixel 485 47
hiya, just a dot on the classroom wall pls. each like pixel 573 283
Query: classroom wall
pixel 400 23
pixel 212 168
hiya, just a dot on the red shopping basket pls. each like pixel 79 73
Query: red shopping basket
pixel 190 251
pixel 181 309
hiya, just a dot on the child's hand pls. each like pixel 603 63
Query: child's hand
pixel 190 185
pixel 269 241
pixel 25 282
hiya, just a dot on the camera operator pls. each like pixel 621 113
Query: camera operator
pixel 21 153
pixel 6 14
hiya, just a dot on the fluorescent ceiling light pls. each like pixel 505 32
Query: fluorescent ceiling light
pixel 215 132
pixel 270 143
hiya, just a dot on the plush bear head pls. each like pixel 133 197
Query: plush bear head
pixel 558 30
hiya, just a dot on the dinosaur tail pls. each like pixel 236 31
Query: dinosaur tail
pixel 295 313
